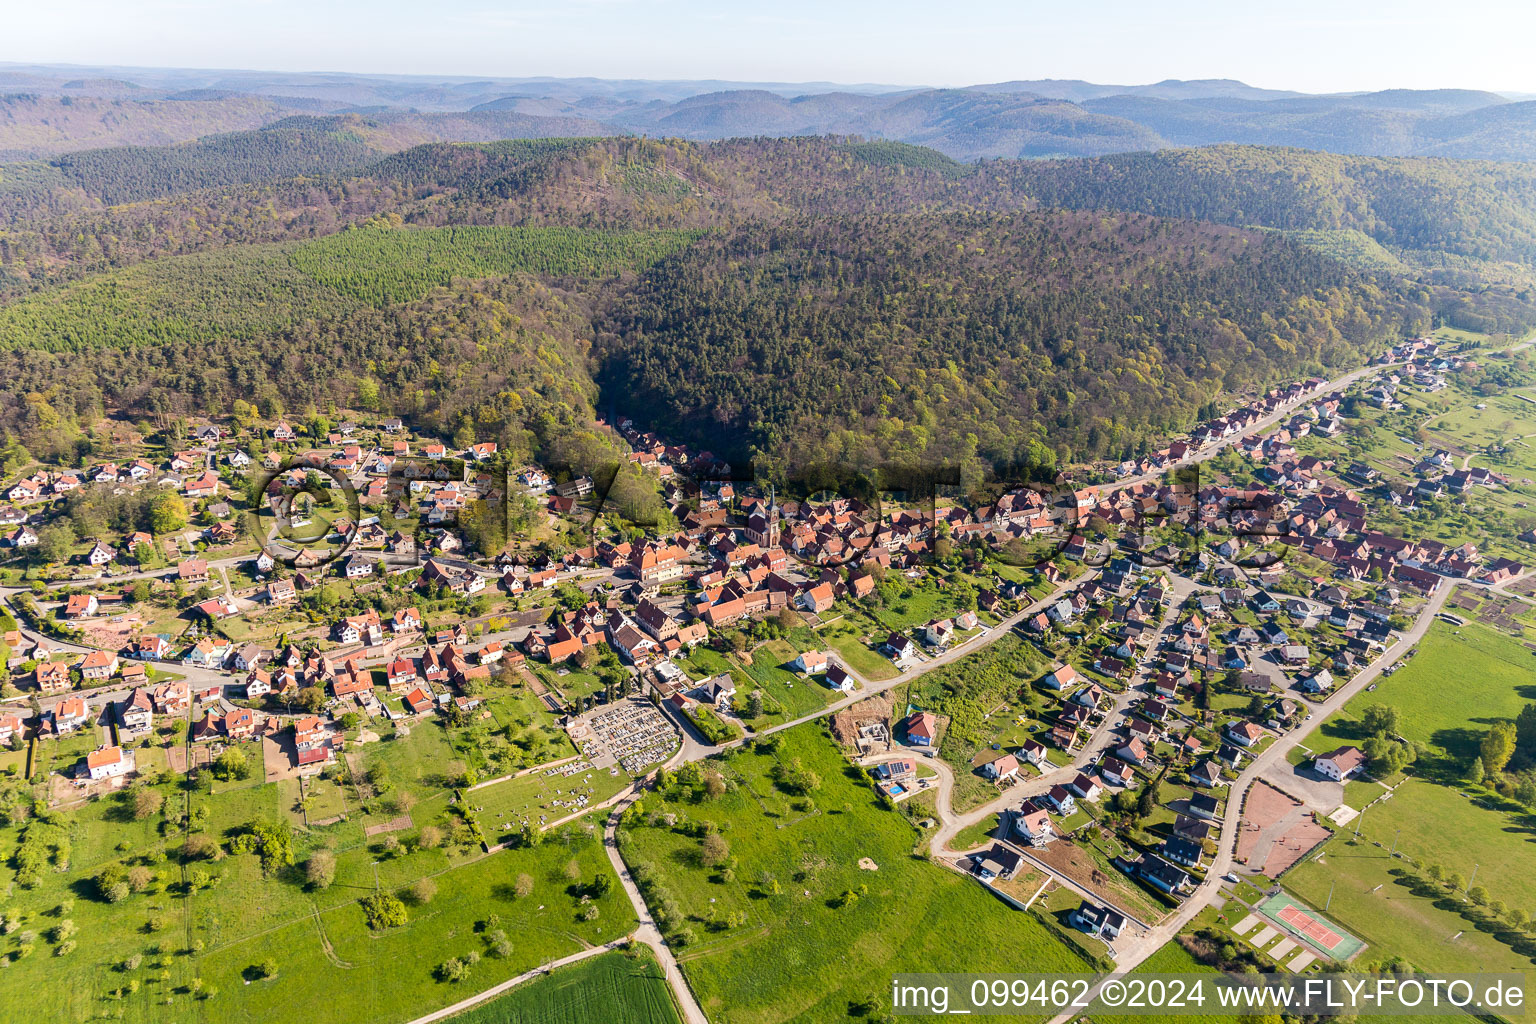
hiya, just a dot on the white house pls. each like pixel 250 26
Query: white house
pixel 108 763
pixel 839 679
pixel 1085 787
pixel 1060 677
pixel 812 663
pixel 1339 764
pixel 1005 767
pixel 1035 825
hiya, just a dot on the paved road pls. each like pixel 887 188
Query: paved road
pixel 694 749
pixel 1103 739
pixel 1208 450
pixel 648 932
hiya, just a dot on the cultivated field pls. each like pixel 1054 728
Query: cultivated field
pixel 610 987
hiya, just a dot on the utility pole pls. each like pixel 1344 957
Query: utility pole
pixel 1473 878
pixel 1330 895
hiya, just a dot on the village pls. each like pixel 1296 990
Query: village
pixel 1167 624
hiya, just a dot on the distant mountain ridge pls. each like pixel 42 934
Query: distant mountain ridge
pixel 1024 118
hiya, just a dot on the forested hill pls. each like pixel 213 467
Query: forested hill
pixel 1482 210
pixel 800 299
pixel 1455 222
pixel 1019 338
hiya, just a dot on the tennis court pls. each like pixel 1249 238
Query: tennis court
pixel 1310 926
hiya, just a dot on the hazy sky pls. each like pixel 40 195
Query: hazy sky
pixel 1309 45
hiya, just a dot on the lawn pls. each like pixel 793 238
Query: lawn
pixel 512 730
pixel 569 681
pixel 389 975
pixel 788 695
pixel 608 987
pixel 1371 902
pixel 975 835
pixel 418 758
pixel 910 602
pixel 1436 825
pixel 844 636
pixel 1171 958
pixel 1494 677
pixel 796 694
pixel 773 937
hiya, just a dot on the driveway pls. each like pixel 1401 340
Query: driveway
pixel 1317 792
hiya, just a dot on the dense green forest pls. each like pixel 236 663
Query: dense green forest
pixel 1482 214
pixel 796 299
pixel 251 291
pixel 293 147
pixel 505 360
pixel 383 265
pixel 1478 209
pixel 1022 338
pixel 207 297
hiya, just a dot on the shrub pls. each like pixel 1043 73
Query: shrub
pixel 383 910
pixel 112 883
pixel 147 802
pixel 715 850
pixel 453 970
pixel 422 890
pixel 320 869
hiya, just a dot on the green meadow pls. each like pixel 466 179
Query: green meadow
pixel 817 895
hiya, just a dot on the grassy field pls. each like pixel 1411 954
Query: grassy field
pixel 971 691
pixel 973 836
pixel 1170 959
pixel 913 602
pixel 1372 903
pixel 844 636
pixel 389 975
pixel 1501 846
pixel 1494 678
pixel 609 987
pixel 180 944
pixel 796 694
pixel 774 937
pixel 529 725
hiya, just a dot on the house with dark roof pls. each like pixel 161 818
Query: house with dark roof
pixel 1104 922
pixel 1205 774
pixel 998 862
pixel 1160 874
pixel 1183 852
pixel 1203 805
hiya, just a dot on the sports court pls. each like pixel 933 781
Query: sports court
pixel 1310 926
